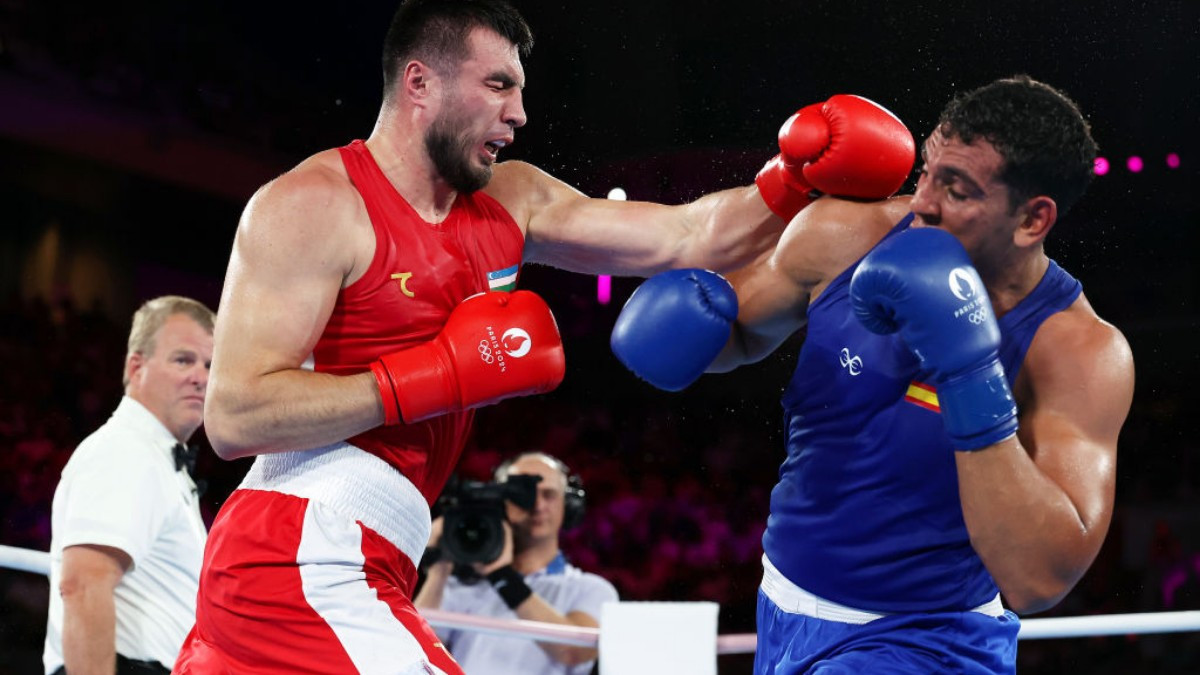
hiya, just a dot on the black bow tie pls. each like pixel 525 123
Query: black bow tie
pixel 185 458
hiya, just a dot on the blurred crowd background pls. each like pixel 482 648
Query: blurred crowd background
pixel 131 134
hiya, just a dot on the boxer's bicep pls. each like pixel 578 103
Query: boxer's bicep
pixel 720 232
pixel 1080 377
pixel 773 294
pixel 567 229
pixel 605 236
pixel 775 290
pixel 299 242
pixel 286 269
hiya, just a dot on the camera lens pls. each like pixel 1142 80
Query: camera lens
pixel 473 536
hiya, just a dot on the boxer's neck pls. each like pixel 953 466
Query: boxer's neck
pixel 400 153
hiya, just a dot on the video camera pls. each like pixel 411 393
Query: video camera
pixel 473 516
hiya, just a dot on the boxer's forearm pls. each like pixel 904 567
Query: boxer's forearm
pixel 728 229
pixel 288 410
pixel 1029 534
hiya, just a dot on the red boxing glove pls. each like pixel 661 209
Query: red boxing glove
pixel 494 346
pixel 847 146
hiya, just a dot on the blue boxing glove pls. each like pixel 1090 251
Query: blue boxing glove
pixel 674 325
pixel 921 284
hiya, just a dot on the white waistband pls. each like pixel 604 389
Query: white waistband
pixel 353 482
pixel 792 599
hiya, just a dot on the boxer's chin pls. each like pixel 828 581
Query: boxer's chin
pixel 455 162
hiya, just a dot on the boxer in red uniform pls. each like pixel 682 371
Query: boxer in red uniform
pixel 356 332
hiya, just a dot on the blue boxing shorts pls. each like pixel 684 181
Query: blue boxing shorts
pixel 822 638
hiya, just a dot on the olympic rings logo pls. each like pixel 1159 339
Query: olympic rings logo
pixel 978 316
pixel 485 352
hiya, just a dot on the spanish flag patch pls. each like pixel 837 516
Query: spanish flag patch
pixel 923 395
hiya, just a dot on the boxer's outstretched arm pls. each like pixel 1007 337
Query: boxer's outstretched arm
pixel 1038 505
pixel 769 297
pixel 682 323
pixel 772 298
pixel 293 251
pixel 775 290
pixel 846 146
pixel 566 229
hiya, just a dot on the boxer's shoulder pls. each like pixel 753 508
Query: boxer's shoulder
pixel 831 234
pixel 524 189
pixel 1077 334
pixel 1083 359
pixel 314 205
pixel 317 188
pixel 515 175
pixel 321 177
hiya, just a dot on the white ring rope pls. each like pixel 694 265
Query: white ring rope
pixel 568 635
pixel 25 560
pixel 38 562
pixel 1109 624
pixel 578 636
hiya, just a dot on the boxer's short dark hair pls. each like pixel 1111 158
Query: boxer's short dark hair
pixel 435 32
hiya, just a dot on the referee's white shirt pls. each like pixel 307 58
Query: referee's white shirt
pixel 120 489
pixel 563 586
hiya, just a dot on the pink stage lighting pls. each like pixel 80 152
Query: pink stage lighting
pixel 1135 164
pixel 1172 161
pixel 603 289
pixel 604 281
pixel 1100 166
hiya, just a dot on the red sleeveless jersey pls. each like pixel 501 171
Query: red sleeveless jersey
pixel 420 272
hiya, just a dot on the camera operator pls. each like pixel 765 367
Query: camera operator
pixel 529 580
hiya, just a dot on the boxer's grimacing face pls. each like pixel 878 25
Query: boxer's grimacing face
pixel 481 108
pixel 960 191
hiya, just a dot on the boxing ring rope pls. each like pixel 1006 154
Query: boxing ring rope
pixel 38 562
pixel 25 560
pixel 547 632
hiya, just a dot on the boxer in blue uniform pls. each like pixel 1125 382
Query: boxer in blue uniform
pixel 952 422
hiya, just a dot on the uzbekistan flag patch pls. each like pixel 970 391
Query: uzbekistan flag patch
pixel 503 280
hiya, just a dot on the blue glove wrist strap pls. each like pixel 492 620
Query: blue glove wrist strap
pixel 977 407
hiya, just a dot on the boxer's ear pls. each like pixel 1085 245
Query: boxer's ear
pixel 418 81
pixel 1038 215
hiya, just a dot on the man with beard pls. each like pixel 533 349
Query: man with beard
pixel 952 421
pixel 355 334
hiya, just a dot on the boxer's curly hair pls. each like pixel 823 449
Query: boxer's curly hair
pixel 1046 143
pixel 435 32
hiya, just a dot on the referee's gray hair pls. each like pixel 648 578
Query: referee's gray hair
pixel 153 314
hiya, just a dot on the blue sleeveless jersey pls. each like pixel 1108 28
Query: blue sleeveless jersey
pixel 866 512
